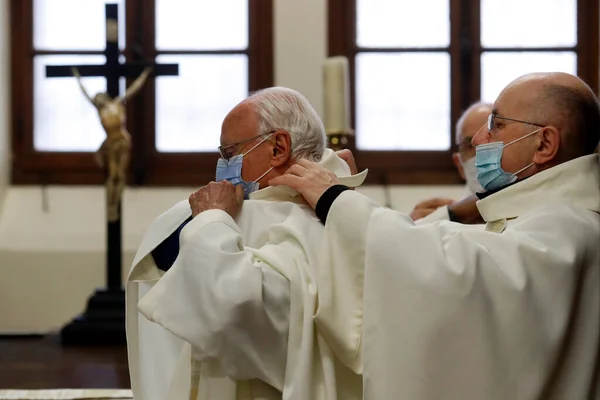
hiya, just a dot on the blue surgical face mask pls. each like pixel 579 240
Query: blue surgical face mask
pixel 231 170
pixel 488 162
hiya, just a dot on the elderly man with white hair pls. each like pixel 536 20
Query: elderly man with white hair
pixel 221 304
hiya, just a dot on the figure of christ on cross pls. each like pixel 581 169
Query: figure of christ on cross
pixel 104 319
pixel 113 154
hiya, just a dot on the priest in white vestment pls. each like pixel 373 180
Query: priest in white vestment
pixel 227 303
pixel 440 208
pixel 450 311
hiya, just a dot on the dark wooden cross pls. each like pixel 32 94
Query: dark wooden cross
pixel 104 319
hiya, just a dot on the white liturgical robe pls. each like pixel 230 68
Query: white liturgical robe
pixel 506 310
pixel 233 316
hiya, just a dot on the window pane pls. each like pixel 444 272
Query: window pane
pixel 73 24
pixel 403 101
pixel 201 24
pixel 499 69
pixel 63 119
pixel 190 107
pixel 531 23
pixel 395 23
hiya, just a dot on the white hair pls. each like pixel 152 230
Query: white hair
pixel 287 109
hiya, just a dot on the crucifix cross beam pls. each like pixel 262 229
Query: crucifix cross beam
pixel 112 69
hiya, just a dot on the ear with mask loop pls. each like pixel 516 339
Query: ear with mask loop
pixel 259 143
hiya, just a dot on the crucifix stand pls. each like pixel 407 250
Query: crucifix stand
pixel 103 321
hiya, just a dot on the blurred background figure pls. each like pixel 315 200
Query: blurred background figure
pixel 472 120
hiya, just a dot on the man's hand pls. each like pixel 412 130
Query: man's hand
pixel 426 207
pixel 347 156
pixel 217 196
pixel 466 210
pixel 309 179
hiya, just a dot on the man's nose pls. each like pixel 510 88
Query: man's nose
pixel 482 136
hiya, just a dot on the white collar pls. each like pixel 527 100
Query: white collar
pixel 576 182
pixel 332 162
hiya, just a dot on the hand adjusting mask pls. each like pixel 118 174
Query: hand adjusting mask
pixel 231 170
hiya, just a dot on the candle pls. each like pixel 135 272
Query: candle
pixel 336 95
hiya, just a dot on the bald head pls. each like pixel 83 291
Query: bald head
pixel 563 101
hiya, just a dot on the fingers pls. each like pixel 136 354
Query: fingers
pixel 292 181
pixel 297 170
pixel 192 197
pixel 220 183
pixel 435 202
pixel 239 194
pixel 428 206
pixel 440 202
pixel 344 154
pixel 421 213
pixel 303 166
pixel 226 184
pixel 217 195
pixel 348 157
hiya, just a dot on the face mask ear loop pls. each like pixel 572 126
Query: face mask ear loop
pixel 516 140
pixel 521 138
pixel 262 176
pixel 522 169
pixel 258 144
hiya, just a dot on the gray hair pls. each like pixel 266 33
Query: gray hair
pixel 287 109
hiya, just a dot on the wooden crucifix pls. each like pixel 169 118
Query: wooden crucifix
pixel 103 321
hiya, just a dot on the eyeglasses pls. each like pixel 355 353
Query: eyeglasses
pixel 493 117
pixel 232 149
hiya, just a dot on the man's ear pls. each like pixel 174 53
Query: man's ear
pixel 282 148
pixel 456 160
pixel 547 143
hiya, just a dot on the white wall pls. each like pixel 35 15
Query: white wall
pixel 51 261
pixel 4 103
pixel 301 46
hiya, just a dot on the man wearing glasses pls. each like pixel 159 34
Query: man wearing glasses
pixel 471 121
pixel 226 298
pixel 451 311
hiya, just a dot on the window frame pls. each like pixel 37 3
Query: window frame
pixel 147 166
pixel 436 167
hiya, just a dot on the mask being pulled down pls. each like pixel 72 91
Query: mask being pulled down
pixel 231 170
pixel 488 162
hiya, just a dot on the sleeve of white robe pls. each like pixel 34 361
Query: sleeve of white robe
pixel 225 301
